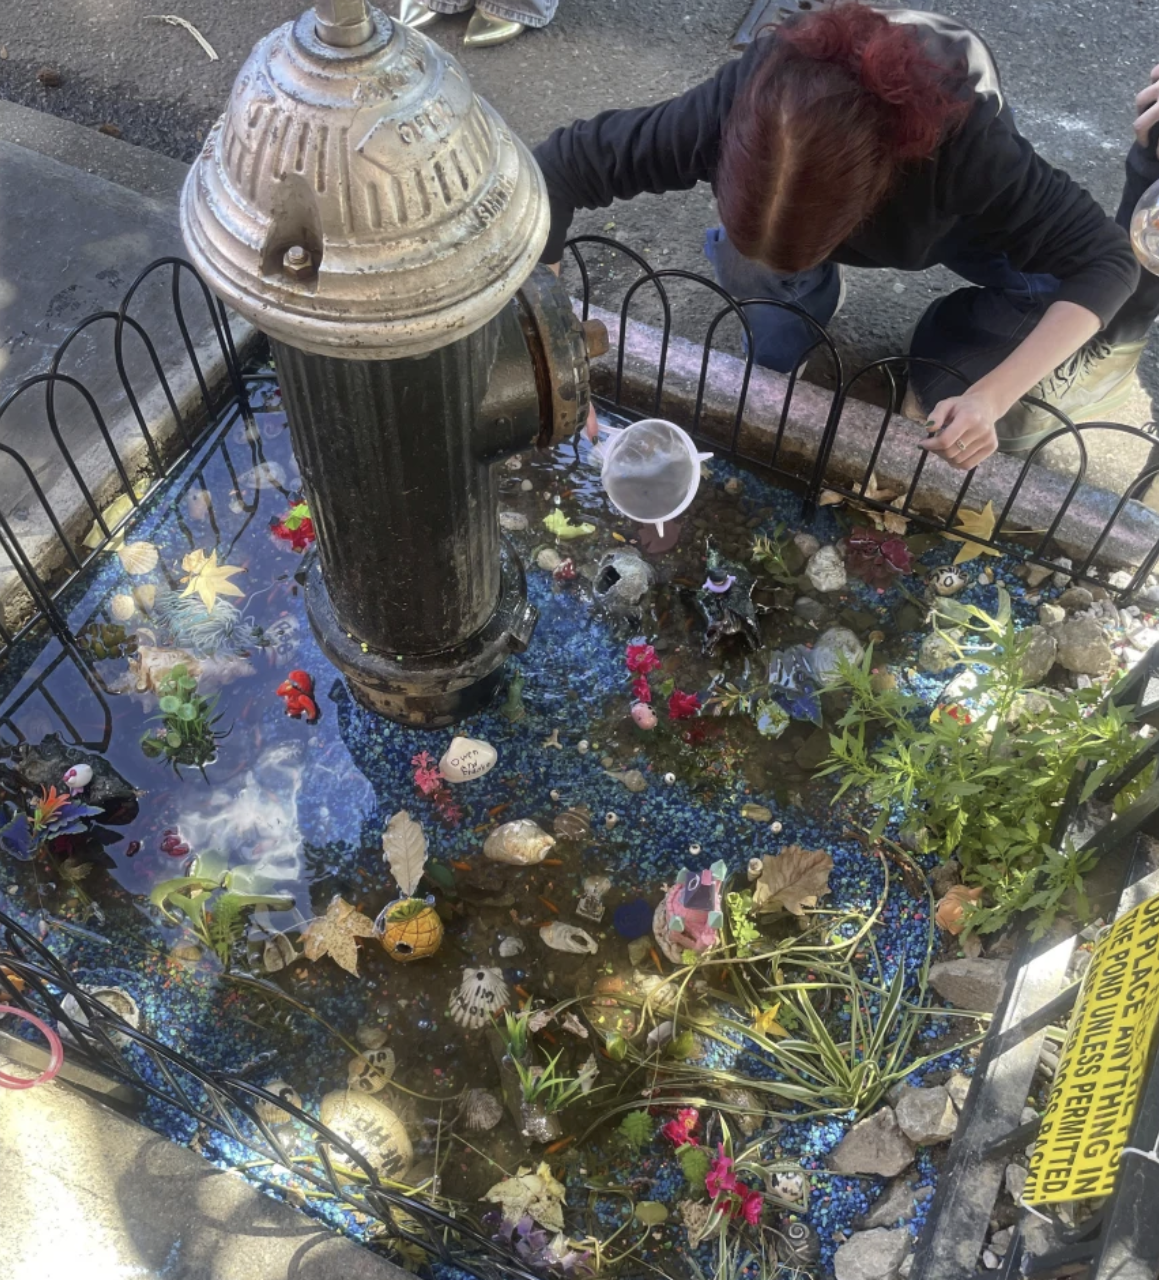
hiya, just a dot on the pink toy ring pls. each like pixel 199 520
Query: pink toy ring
pixel 56 1052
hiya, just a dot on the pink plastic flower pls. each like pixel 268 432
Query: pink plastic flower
pixel 680 1130
pixel 428 779
pixel 683 706
pixel 751 1207
pixel 641 690
pixel 720 1175
pixel 641 658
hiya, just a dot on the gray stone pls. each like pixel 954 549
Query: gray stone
pixel 936 654
pixel 875 1145
pixel 1000 1241
pixel 826 570
pixel 1075 598
pixel 872 1255
pixel 1016 1177
pixel 1120 580
pixel 926 1116
pixel 970 984
pixel 906 1268
pixel 895 1205
pixel 807 545
pixel 1035 575
pixel 836 645
pixel 957 1086
pixel 811 611
pixel 989 1260
pixel 1083 647
pixel 622 580
pixel 1051 615
pixel 1040 655
pixel 1061 579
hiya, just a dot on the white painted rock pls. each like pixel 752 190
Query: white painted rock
pixel 826 570
pixel 371 1128
pixel 520 844
pixel 467 758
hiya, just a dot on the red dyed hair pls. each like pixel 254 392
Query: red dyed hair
pixel 842 101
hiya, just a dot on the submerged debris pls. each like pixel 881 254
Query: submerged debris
pixel 568 937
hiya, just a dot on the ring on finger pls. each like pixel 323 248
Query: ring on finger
pixel 961 446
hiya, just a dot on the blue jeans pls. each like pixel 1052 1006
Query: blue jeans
pixel 972 329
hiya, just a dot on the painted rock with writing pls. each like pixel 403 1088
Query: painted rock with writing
pixel 467 758
pixel 371 1129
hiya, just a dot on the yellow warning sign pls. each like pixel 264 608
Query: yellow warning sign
pixel 1088 1115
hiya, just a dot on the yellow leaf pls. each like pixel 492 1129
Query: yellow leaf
pixel 973 524
pixel 562 527
pixel 208 579
pixel 765 1021
pixel 335 934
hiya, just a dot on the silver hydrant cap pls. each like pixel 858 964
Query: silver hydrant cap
pixel 359 200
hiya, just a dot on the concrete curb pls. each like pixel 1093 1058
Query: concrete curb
pixel 1133 537
pixel 88 1192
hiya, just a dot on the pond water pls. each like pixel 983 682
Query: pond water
pixel 296 809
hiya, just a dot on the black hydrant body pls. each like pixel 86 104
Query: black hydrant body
pixel 363 208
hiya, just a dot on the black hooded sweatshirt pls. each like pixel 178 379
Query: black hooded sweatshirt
pixel 984 191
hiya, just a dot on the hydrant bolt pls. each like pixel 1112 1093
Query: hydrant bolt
pixel 297 262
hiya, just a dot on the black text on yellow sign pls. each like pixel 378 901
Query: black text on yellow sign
pixel 1088 1115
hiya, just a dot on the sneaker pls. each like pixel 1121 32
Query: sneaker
pixel 1089 387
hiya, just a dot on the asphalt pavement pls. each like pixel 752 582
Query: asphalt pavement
pixel 1071 69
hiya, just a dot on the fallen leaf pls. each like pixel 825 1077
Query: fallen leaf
pixel 793 880
pixel 537 1194
pixel 562 527
pixel 404 847
pixel 973 524
pixel 278 953
pixel 208 579
pixel 765 1021
pixel 335 934
pixel 174 21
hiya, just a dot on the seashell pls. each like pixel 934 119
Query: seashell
pixel 371 1071
pixel 509 947
pixel 116 999
pixel 467 758
pixel 574 824
pixel 798 1246
pixel 145 596
pixel 643 716
pixel 568 937
pixel 122 607
pixel 776 828
pixel 370 1128
pixel 480 1110
pixel 370 1037
pixel 138 557
pixel 270 1112
pixel 611 818
pixel 669 779
pixel 948 581
pixel 482 993
pixel 633 779
pixel 756 868
pixel 522 843
pixel 951 910
pixel 78 777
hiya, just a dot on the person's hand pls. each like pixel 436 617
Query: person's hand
pixel 964 427
pixel 1147 104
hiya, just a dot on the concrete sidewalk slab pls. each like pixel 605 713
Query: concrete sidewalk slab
pixel 89 1193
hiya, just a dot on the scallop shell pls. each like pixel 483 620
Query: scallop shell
pixel 480 1110
pixel 371 1071
pixel 138 557
pixel 145 595
pixel 122 607
pixel 522 843
pixel 371 1129
pixel 270 1112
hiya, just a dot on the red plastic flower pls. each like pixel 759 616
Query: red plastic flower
pixel 641 658
pixel 641 690
pixel 751 1207
pixel 295 527
pixel 720 1175
pixel 428 779
pixel 680 1130
pixel 683 706
pixel 877 557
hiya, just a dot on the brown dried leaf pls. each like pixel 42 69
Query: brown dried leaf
pixel 335 934
pixel 951 911
pixel 793 880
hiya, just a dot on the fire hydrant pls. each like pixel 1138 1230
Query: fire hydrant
pixel 381 225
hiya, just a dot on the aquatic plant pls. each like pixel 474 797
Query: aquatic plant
pixel 543 1252
pixel 427 777
pixel 637 1129
pixel 52 815
pixel 205 632
pixel 215 912
pixel 877 557
pixel 187 734
pixel 547 1087
pixel 988 789
pixel 768 553
pixel 515 1031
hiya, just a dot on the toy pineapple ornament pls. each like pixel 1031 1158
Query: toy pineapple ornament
pixel 409 928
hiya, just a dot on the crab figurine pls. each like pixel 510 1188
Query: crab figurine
pixel 298 692
pixel 725 602
pixel 689 916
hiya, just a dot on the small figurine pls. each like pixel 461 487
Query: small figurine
pixel 689 917
pixel 298 691
pixel 725 603
pixel 409 928
pixel 78 777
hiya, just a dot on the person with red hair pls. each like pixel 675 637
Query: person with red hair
pixel 850 136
